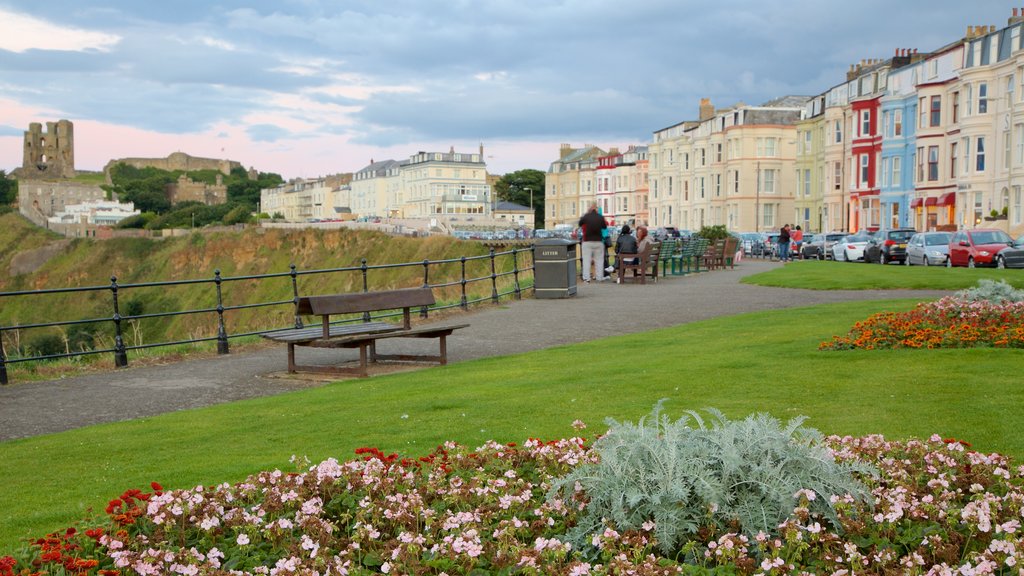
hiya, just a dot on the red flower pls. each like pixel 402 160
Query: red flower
pixel 156 487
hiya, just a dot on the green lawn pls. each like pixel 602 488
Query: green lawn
pixel 828 275
pixel 765 361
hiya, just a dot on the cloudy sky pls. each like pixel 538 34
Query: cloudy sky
pixel 314 87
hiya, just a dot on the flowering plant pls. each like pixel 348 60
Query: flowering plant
pixel 937 508
pixel 951 322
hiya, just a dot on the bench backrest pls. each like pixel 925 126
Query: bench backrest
pixel 365 301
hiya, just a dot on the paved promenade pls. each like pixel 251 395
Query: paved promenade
pixel 34 408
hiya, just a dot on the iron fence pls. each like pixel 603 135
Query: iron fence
pixel 510 274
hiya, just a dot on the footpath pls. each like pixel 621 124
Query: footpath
pixel 598 310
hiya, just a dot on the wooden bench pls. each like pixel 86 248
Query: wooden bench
pixel 362 335
pixel 641 264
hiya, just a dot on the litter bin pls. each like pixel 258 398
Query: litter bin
pixel 554 268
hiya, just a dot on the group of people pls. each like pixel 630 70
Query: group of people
pixel 789 238
pixel 596 241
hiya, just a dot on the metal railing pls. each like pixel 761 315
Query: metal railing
pixel 509 277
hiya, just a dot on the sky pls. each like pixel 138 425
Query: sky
pixel 306 88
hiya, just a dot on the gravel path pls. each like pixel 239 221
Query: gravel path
pixel 34 408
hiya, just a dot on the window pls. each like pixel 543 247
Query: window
pixel 1018 129
pixel 966 145
pixel 952 160
pixel 807 141
pixel 686 160
pixel 920 164
pixel 977 207
pixel 703 157
pixel 736 182
pixel 956 107
pixel 768 181
pixel 982 97
pixel 768 216
pixel 701 182
pixel 1016 205
pixel 970 99
pixel 718 185
pixel 839 131
pixel 767 147
pixel 933 163
pixel 865 122
pixel 897 122
pixel 921 113
pixel 979 154
pixel 887 123
pixel 718 152
pixel 807 182
pixel 897 166
pixel 1006 150
pixel 1010 82
pixel 936 109
pixel 837 175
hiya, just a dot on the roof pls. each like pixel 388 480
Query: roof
pixel 511 207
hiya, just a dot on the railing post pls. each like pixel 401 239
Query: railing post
pixel 222 334
pixel 366 288
pixel 3 360
pixel 515 274
pixel 494 280
pixel 426 284
pixel 295 295
pixel 120 354
pixel 464 303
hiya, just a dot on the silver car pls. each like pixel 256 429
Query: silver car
pixel 928 249
pixel 851 248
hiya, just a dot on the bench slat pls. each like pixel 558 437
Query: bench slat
pixel 355 340
pixel 365 301
pixel 296 335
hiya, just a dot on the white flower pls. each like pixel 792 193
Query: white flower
pixel 242 539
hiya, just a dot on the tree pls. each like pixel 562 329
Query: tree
pixel 524 187
pixel 8 190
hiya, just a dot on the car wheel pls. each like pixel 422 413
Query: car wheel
pixel 906 261
pixel 1000 263
pixel 970 261
pixel 846 256
pixel 882 259
pixel 949 262
pixel 924 261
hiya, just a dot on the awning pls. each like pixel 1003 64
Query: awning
pixel 947 199
pixel 930 201
pixel 916 203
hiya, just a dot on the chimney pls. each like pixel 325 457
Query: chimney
pixel 564 151
pixel 613 151
pixel 707 110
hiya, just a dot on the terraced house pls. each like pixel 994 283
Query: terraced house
pixel 930 140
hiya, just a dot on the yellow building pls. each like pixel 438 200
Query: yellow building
pixel 570 185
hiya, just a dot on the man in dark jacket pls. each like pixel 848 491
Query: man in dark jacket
pixel 592 224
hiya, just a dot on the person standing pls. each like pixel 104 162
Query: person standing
pixel 592 225
pixel 784 243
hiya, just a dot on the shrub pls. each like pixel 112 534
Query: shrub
pixel 991 291
pixel 46 345
pixel 722 476
pixel 716 232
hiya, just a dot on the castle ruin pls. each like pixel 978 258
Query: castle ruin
pixel 50 154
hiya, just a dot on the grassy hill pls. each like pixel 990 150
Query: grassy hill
pixel 87 262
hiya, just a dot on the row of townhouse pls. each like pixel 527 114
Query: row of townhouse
pixel 426 185
pixel 929 141
pixel 616 182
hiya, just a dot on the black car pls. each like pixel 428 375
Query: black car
pixel 888 246
pixel 1012 256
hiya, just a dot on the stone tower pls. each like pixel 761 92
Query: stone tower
pixel 49 154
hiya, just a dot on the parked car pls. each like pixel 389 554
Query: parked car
pixel 928 248
pixel 977 247
pixel 888 246
pixel 752 242
pixel 1012 256
pixel 851 248
pixel 819 247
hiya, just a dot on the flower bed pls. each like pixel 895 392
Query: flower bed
pixel 947 323
pixel 938 508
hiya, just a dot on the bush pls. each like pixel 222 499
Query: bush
pixel 991 291
pixel 46 345
pixel 743 476
pixel 717 232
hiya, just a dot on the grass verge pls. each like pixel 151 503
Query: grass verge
pixel 828 275
pixel 766 361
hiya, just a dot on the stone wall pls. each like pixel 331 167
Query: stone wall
pixel 49 154
pixel 187 189
pixel 40 199
pixel 176 161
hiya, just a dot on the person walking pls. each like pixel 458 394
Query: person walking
pixel 784 243
pixel 592 225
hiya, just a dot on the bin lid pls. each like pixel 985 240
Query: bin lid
pixel 554 242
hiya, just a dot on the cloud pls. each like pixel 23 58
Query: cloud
pixel 11 131
pixel 20 32
pixel 266 132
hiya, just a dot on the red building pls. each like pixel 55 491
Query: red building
pixel 865 154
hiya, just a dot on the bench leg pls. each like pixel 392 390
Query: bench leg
pixel 373 351
pixel 362 360
pixel 444 350
pixel 291 358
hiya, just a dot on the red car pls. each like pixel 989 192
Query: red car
pixel 977 247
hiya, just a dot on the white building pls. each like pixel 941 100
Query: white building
pixel 97 212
